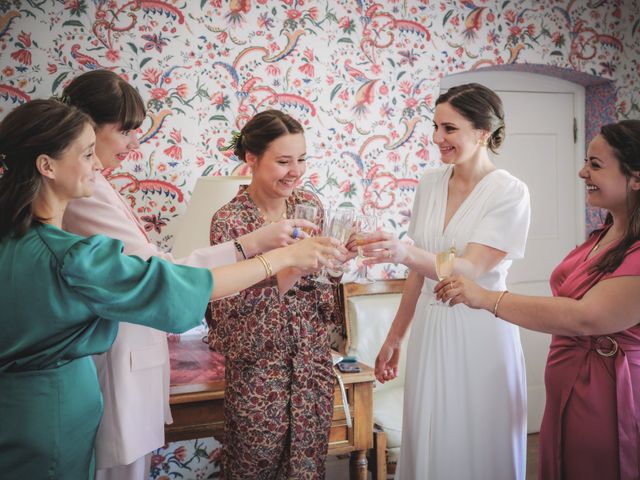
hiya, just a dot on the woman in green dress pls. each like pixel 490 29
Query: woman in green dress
pixel 62 295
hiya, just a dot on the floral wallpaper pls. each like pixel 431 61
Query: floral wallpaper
pixel 361 76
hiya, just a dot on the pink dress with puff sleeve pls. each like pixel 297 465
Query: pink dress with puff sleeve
pixel 590 428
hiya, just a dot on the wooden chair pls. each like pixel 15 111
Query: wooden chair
pixel 369 311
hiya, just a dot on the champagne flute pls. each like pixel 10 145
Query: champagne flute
pixel 365 224
pixel 326 231
pixel 444 266
pixel 306 212
pixel 337 224
pixel 340 228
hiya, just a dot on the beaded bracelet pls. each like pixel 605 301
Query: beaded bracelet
pixel 239 248
pixel 495 308
pixel 266 265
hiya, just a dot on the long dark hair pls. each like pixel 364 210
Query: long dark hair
pixel 481 106
pixel 263 129
pixel 624 138
pixel 107 98
pixel 35 128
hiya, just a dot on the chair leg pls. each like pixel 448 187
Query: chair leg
pixel 378 464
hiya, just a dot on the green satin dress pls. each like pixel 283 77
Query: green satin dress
pixel 61 297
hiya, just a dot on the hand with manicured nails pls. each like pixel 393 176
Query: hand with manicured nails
pixel 381 247
pixel 275 235
pixel 314 253
pixel 458 289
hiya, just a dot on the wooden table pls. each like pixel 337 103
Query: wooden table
pixel 197 392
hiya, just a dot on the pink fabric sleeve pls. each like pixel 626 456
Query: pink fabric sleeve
pixel 105 213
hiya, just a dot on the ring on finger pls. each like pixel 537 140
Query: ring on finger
pixel 388 253
pixel 296 233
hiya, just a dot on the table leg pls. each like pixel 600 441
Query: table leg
pixel 358 465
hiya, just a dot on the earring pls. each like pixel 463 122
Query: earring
pixel 483 142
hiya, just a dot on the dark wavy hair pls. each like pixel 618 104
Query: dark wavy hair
pixel 106 98
pixel 35 128
pixel 482 107
pixel 263 129
pixel 624 138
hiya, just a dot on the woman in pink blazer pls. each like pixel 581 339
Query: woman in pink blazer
pixel 134 373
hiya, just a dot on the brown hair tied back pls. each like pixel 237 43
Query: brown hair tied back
pixel 261 130
pixel 35 128
pixel 482 107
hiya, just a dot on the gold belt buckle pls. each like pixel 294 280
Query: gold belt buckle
pixel 612 351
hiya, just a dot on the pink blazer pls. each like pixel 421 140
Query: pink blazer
pixel 134 373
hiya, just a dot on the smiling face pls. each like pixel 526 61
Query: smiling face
pixel 114 144
pixel 74 171
pixel 279 169
pixel 607 186
pixel 455 136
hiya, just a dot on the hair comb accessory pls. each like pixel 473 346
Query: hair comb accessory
pixel 235 141
pixel 64 98
pixel 3 164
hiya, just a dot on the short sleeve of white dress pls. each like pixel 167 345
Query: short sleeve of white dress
pixel 505 222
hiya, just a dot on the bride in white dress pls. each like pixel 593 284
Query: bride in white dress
pixel 465 388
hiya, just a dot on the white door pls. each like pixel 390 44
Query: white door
pixel 540 150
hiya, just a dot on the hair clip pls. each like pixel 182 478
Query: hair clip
pixel 64 98
pixel 235 141
pixel 3 164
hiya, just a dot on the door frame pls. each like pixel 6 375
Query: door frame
pixel 523 82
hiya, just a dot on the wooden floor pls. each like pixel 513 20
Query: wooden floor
pixel 338 468
pixel 532 456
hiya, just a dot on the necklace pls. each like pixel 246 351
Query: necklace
pixel 268 220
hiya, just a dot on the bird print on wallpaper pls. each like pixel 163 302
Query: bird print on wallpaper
pixel 86 61
pixel 364 94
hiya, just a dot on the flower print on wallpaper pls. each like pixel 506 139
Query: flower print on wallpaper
pixel 361 76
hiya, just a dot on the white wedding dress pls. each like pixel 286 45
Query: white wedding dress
pixel 465 390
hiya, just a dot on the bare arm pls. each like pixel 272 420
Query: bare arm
pixel 610 306
pixel 306 254
pixel 386 367
pixel 274 235
pixel 476 260
pixel 407 308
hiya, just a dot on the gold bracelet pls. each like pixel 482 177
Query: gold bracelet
pixel 495 308
pixel 266 265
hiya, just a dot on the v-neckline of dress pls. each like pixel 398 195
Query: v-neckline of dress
pixel 445 228
pixel 258 213
pixel 586 258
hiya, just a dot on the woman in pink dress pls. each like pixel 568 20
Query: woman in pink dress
pixel 591 424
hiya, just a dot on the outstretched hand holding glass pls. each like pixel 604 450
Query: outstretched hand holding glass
pixel 365 225
pixel 338 224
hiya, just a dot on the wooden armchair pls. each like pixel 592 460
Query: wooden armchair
pixel 369 311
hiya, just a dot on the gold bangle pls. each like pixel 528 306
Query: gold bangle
pixel 495 308
pixel 266 265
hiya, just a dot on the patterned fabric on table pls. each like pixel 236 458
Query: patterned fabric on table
pixel 279 377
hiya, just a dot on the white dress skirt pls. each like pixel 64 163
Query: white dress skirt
pixel 465 405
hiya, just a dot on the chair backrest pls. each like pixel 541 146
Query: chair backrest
pixel 209 194
pixel 369 311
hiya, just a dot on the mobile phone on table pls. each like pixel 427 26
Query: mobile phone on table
pixel 348 367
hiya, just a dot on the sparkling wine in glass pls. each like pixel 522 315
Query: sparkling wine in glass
pixel 306 212
pixel 340 228
pixel 365 225
pixel 444 265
